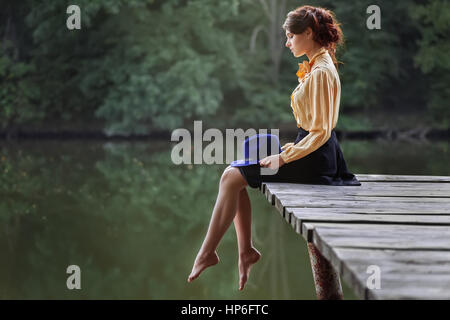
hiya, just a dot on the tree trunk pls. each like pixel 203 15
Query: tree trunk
pixel 277 10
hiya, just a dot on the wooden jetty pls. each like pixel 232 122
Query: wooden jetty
pixel 394 227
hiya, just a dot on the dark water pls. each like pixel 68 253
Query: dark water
pixel 133 222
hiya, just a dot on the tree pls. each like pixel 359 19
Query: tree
pixel 432 57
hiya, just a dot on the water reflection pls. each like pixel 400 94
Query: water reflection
pixel 134 222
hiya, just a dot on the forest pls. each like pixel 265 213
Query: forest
pixel 140 66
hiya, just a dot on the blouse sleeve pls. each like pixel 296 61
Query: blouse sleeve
pixel 320 95
pixel 287 145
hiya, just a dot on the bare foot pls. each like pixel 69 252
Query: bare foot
pixel 201 263
pixel 246 260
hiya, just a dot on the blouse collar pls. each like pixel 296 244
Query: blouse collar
pixel 317 54
pixel 305 66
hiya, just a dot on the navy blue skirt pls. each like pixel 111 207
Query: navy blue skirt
pixel 326 165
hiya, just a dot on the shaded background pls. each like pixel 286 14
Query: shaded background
pixel 119 208
pixel 137 66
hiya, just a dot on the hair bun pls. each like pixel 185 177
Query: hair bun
pixel 326 29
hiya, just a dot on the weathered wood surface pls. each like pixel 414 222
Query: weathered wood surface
pixel 406 178
pixel 405 274
pixel 400 224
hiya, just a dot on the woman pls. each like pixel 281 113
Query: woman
pixel 315 156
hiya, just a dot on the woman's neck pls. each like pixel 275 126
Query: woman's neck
pixel 313 51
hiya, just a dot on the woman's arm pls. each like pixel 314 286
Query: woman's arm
pixel 320 94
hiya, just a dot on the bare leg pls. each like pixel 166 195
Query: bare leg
pixel 231 183
pixel 248 255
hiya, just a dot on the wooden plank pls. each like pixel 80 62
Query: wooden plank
pixel 400 281
pixel 386 193
pixel 381 236
pixel 404 274
pixel 410 284
pixel 406 239
pixel 297 200
pixel 369 189
pixel 340 215
pixel 432 287
pixel 406 178
pixel 400 223
pixel 293 197
pixel 297 216
pixel 368 179
pixel 399 186
pixel 363 210
pixel 419 257
pixel 400 204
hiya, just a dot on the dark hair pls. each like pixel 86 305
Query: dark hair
pixel 327 30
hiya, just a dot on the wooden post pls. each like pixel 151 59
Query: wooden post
pixel 326 279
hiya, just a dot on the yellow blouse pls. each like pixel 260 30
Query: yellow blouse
pixel 315 104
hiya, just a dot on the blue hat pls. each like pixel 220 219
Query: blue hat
pixel 256 148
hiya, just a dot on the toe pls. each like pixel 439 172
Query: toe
pixel 191 278
pixel 242 282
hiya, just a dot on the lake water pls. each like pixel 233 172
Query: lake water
pixel 133 221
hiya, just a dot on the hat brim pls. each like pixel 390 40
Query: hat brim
pixel 243 163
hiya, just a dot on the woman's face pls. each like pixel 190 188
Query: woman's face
pixel 299 44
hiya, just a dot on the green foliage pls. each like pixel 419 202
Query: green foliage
pixel 142 65
pixel 169 81
pixel 17 91
pixel 432 57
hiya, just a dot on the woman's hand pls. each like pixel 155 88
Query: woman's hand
pixel 272 162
